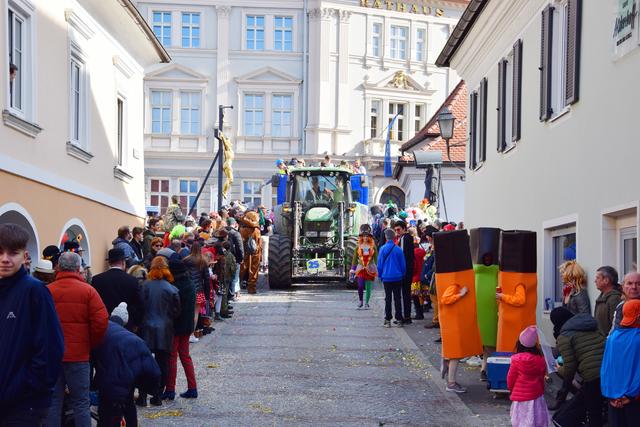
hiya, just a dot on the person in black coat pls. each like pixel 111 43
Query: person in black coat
pixel 122 361
pixel 405 241
pixel 116 286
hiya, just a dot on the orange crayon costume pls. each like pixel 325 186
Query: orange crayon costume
pixel 518 283
pixel 455 283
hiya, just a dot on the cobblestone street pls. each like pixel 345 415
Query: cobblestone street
pixel 307 357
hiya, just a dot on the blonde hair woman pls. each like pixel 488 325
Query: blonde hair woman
pixel 575 297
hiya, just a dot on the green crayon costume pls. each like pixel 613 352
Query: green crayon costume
pixel 484 243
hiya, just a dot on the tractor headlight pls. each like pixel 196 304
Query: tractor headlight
pixel 311 234
pixel 325 233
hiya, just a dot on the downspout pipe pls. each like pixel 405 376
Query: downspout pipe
pixel 305 76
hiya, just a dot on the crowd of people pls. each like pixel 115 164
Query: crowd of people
pixel 98 338
pixel 284 167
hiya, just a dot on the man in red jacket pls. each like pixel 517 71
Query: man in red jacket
pixel 84 321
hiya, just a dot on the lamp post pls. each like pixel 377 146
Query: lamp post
pixel 445 123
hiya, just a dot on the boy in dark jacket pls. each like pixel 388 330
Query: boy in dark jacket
pixel 32 344
pixel 122 361
pixel 391 270
pixel 405 242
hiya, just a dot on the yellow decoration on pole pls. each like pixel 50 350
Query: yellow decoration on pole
pixel 227 166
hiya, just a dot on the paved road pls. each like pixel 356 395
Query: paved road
pixel 307 357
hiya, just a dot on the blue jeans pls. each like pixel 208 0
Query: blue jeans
pixel 75 375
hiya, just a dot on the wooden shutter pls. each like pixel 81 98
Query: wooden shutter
pixel 502 102
pixel 516 103
pixel 572 76
pixel 546 39
pixel 482 138
pixel 473 99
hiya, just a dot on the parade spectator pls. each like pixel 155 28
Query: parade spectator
pixel 327 162
pixel 419 255
pixel 51 253
pixel 581 346
pixel 525 380
pixel 156 245
pixel 607 283
pixel 281 167
pixel 429 279
pixel 391 269
pixel 150 233
pixel 405 242
pixel 358 167
pixel 575 296
pixel 174 215
pixel 631 291
pixel 122 242
pixel 176 246
pixel 183 328
pixel 84 322
pixel 31 330
pixel 162 304
pixel 139 272
pixel 187 241
pixel 136 242
pixel 199 273
pixel 237 249
pixel 620 371
pixel 44 271
pixel 250 232
pixel 385 224
pixel 116 286
pixel 121 362
pixel 265 231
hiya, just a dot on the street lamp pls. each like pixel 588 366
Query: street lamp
pixel 445 122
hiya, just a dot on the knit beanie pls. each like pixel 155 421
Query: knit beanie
pixel 121 312
pixel 559 317
pixel 529 337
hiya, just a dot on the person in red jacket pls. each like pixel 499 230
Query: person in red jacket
pixel 417 294
pixel 525 380
pixel 84 321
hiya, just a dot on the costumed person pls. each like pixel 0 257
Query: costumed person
pixel 250 232
pixel 517 286
pixel 620 371
pixel 525 380
pixel 419 254
pixel 430 211
pixel 457 303
pixel 363 265
pixel 484 251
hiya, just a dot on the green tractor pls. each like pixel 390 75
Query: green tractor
pixel 317 219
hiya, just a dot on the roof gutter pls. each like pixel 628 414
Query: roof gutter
pixel 144 26
pixel 462 28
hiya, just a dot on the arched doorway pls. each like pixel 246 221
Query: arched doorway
pixel 16 214
pixel 74 230
pixel 394 194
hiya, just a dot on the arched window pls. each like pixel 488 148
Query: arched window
pixel 395 194
pixel 75 231
pixel 16 214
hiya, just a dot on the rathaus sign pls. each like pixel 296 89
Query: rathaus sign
pixel 402 7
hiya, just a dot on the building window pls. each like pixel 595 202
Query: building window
pixel 190 113
pixel 283 33
pixel 375 117
pixel 255 32
pixel 396 131
pixel 628 250
pixel 120 132
pixel 478 125
pixel 417 122
pixel 438 36
pixel 162 27
pixel 75 78
pixel 420 44
pixel 376 35
pixel 253 115
pixel 188 192
pixel 281 115
pixel 190 29
pixel 159 194
pixel 398 42
pixel 564 249
pixel 251 192
pixel 161 112
pixel 18 60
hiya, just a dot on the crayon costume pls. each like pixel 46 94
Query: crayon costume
pixel 364 265
pixel 454 273
pixel 519 282
pixel 484 252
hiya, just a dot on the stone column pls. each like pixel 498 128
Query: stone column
pixel 222 63
pixel 342 126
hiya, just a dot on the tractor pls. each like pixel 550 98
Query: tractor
pixel 317 218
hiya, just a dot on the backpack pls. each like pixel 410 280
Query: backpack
pixel 250 246
pixel 172 217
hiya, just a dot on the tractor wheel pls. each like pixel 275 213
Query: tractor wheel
pixel 350 245
pixel 279 262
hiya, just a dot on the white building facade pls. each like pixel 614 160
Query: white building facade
pixel 305 79
pixel 554 147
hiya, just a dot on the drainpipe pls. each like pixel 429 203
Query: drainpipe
pixel 305 72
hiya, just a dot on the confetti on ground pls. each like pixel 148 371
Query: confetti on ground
pixel 260 407
pixel 213 366
pixel 162 414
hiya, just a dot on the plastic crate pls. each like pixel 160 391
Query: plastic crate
pixel 497 368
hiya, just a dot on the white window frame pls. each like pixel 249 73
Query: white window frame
pixel 280 112
pixel 188 193
pixel 251 196
pixel 77 58
pixel 559 58
pixel 280 32
pixel 254 29
pixel 375 113
pixel 418 117
pixel 398 42
pixel 253 109
pixel 627 233
pixel 190 108
pixel 121 131
pixel 159 193
pixel 25 11
pixel 553 229
pixel 164 27
pixel 162 107
pixel 376 39
pixel 191 26
pixel 421 44
pixel 399 126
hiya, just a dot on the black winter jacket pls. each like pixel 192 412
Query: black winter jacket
pixel 162 306
pixel 237 246
pixel 582 347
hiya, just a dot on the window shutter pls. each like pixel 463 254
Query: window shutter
pixel 472 130
pixel 573 51
pixel 546 39
pixel 483 120
pixel 516 104
pixel 502 91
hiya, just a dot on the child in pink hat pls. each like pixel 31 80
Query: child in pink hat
pixel 526 382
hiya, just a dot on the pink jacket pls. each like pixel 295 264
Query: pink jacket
pixel 526 377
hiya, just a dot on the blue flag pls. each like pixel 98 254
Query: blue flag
pixel 387 149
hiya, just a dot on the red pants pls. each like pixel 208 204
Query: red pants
pixel 180 346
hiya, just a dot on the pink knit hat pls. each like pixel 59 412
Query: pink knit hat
pixel 529 336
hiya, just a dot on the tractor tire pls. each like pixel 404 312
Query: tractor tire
pixel 350 245
pixel 279 262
